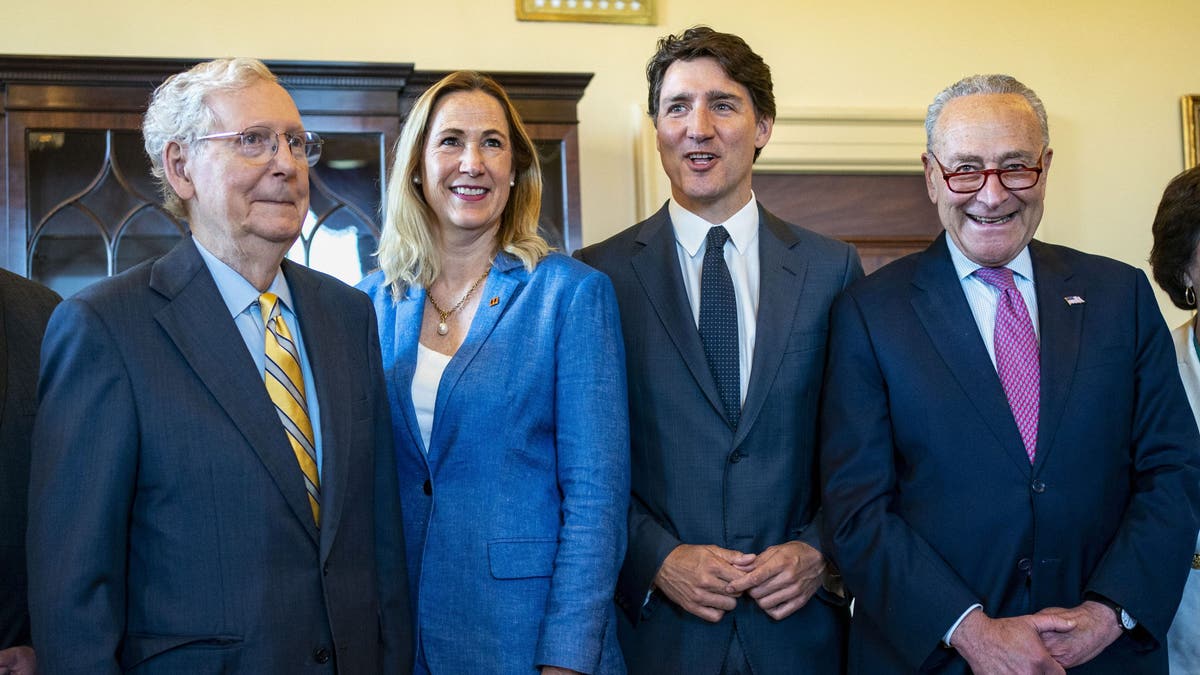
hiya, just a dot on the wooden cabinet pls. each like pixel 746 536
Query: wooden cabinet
pixel 79 203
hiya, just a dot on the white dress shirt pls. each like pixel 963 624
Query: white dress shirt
pixel 741 256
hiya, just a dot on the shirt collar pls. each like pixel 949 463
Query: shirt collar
pixel 238 293
pixel 691 230
pixel 1022 265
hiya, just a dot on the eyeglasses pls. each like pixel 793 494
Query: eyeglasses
pixel 259 144
pixel 967 182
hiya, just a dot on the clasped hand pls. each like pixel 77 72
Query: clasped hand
pixel 707 580
pixel 1049 641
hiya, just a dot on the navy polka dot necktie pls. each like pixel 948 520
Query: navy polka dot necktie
pixel 719 325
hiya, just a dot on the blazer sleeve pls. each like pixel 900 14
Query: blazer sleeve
pixel 395 616
pixel 1146 565
pixel 896 576
pixel 592 446
pixel 82 483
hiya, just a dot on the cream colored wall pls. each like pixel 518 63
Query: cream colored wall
pixel 1111 73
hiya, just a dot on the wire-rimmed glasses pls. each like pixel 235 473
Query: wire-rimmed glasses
pixel 259 144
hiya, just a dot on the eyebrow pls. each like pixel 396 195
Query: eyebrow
pixel 710 95
pixel 1013 154
pixel 459 132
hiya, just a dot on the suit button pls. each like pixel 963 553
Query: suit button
pixel 736 457
pixel 325 570
pixel 1038 486
pixel 321 655
pixel 427 487
pixel 1024 564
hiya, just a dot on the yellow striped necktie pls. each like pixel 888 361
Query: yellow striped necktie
pixel 285 385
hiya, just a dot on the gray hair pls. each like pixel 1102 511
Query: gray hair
pixel 179 111
pixel 984 84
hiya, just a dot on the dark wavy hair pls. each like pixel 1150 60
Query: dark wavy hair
pixel 736 58
pixel 1176 236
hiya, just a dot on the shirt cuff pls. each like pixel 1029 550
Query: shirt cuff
pixel 950 633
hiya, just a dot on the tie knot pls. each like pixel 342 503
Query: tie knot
pixel 999 277
pixel 268 304
pixel 717 236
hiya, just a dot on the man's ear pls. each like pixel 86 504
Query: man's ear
pixel 930 167
pixel 175 165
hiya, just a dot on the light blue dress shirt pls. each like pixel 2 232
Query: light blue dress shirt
pixel 241 297
pixel 982 296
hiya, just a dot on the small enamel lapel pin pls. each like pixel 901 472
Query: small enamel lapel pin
pixel 1074 300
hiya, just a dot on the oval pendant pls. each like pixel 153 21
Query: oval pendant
pixel 443 328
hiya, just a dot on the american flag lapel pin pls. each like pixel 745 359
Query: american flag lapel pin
pixel 1074 300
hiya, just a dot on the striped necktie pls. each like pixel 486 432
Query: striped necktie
pixel 285 386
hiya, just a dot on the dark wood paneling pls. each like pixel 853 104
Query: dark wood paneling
pixel 885 215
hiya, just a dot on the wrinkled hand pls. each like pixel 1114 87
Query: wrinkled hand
pixel 18 661
pixel 1011 645
pixel 555 670
pixel 782 578
pixel 1095 629
pixel 697 577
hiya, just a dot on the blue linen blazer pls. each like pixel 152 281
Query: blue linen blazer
pixel 515 517
pixel 930 502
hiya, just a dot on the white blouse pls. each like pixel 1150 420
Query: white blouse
pixel 428 375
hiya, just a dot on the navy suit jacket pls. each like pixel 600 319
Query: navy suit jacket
pixel 515 514
pixel 696 480
pixel 931 503
pixel 169 528
pixel 24 309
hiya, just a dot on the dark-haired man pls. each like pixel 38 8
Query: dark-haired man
pixel 725 310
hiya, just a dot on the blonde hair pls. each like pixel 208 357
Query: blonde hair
pixel 179 112
pixel 407 252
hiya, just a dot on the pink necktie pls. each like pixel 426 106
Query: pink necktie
pixel 1017 359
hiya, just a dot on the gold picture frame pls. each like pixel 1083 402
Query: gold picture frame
pixel 639 12
pixel 1191 130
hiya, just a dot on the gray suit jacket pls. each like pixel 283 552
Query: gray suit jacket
pixel 169 529
pixel 24 309
pixel 697 481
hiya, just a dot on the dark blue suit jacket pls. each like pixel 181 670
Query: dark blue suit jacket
pixel 931 504
pixel 169 528
pixel 696 481
pixel 25 307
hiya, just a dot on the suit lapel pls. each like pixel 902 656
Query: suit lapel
pixel 781 286
pixel 331 375
pixel 1061 329
pixel 197 321
pixel 656 266
pixel 939 303
pixel 406 334
pixel 506 276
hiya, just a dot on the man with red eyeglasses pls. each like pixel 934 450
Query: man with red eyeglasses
pixel 1010 465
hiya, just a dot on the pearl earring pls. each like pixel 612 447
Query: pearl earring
pixel 416 180
pixel 512 183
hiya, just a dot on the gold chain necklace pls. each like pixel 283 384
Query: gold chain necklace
pixel 443 314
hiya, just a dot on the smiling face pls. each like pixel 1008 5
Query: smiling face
pixel 468 163
pixel 988 131
pixel 232 203
pixel 708 131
